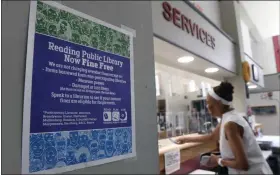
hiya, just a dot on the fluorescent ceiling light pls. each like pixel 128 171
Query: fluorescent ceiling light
pixel 185 59
pixel 252 86
pixel 211 70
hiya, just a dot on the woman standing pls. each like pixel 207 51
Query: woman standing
pixel 239 149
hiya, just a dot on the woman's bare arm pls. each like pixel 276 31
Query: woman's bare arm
pixel 233 134
pixel 201 138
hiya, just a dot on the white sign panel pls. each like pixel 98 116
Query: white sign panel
pixel 178 23
pixel 172 161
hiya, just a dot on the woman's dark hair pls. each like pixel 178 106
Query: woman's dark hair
pixel 224 90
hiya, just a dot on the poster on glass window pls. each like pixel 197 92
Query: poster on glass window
pixel 79 94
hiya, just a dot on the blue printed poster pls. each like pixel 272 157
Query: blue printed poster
pixel 78 102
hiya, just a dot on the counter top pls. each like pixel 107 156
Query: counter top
pixel 187 150
pixel 274 139
pixel 192 150
pixel 166 145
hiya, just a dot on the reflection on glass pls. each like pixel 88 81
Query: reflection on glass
pixel 181 115
pixel 157 86
pixel 203 89
pixel 170 88
pixel 192 86
pixel 181 105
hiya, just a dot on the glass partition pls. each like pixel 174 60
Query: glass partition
pixel 181 102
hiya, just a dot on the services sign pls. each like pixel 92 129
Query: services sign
pixel 177 23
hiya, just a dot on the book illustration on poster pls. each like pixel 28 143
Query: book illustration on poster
pixel 79 92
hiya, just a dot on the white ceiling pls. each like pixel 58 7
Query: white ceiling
pixel 168 54
pixel 265 16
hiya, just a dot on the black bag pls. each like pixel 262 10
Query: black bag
pixel 222 170
pixel 219 170
pixel 273 164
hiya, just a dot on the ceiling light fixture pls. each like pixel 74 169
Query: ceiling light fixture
pixel 211 70
pixel 252 86
pixel 185 59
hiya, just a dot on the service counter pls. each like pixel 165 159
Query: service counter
pixel 190 151
pixel 187 151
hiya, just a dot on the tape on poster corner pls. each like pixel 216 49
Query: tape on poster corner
pixel 129 29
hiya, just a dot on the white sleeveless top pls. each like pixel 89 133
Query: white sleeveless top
pixel 257 163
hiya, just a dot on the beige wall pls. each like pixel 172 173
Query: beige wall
pixel 269 57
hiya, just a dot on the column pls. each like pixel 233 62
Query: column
pixel 230 20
